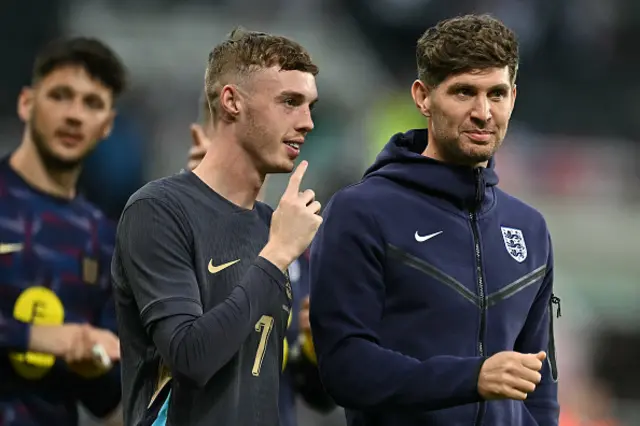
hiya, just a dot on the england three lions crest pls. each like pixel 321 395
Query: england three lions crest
pixel 514 243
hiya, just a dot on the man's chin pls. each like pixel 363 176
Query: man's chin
pixel 477 153
pixel 285 166
pixel 64 162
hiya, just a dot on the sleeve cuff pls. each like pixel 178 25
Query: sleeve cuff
pixel 17 334
pixel 272 270
pixel 477 375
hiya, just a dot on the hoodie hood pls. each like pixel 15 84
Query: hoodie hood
pixel 401 160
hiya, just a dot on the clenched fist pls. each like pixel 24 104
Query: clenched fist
pixel 93 352
pixel 510 375
pixel 294 223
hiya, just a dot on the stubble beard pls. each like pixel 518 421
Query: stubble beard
pixel 50 160
pixel 452 148
pixel 258 141
pixel 456 151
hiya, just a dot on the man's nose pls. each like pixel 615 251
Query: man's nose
pixel 75 113
pixel 306 122
pixel 482 109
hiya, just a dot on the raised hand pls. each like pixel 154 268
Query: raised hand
pixel 294 223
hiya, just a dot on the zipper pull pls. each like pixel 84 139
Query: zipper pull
pixel 556 301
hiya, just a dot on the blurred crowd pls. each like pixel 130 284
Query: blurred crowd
pixel 572 150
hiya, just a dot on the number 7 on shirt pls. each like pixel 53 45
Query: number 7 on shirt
pixel 263 326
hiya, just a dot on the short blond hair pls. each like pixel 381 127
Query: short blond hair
pixel 244 52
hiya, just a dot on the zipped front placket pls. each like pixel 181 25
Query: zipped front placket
pixel 479 273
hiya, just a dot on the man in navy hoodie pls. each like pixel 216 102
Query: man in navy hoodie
pixel 431 289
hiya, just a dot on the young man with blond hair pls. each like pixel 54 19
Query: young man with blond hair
pixel 199 269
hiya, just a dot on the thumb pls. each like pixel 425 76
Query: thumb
pixel 541 356
pixel 101 355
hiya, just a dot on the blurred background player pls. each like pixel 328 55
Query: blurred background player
pixel 300 373
pixel 55 248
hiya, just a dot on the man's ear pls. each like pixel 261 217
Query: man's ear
pixel 108 127
pixel 25 103
pixel 420 93
pixel 514 93
pixel 230 102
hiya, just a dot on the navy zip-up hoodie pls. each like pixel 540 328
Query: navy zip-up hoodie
pixel 419 273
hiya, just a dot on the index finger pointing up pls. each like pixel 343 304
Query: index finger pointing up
pixel 296 178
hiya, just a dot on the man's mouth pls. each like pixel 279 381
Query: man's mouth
pixel 294 148
pixel 71 138
pixel 479 135
pixel 294 145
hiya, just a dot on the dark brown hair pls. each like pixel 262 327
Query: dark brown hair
pixel 244 52
pixel 465 43
pixel 97 59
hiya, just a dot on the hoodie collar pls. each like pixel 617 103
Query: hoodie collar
pixel 402 161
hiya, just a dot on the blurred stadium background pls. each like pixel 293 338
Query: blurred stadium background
pixel 572 149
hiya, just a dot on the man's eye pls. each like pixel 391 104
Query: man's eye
pixel 57 96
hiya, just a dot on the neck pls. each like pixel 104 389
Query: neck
pixel 431 151
pixel 27 162
pixel 230 171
